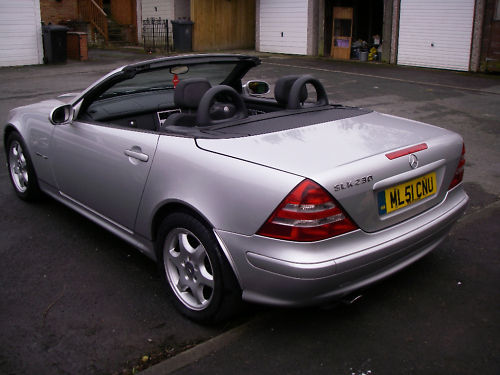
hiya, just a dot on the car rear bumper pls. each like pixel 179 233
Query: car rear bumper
pixel 287 273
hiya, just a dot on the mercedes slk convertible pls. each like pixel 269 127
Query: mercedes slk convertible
pixel 236 193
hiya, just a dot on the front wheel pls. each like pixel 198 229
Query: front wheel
pixel 199 280
pixel 21 171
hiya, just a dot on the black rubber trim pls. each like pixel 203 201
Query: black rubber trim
pixel 280 121
pixel 203 114
pixel 295 97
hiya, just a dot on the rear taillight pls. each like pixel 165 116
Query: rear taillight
pixel 459 172
pixel 308 213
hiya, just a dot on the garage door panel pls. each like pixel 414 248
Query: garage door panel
pixel 436 34
pixel 283 26
pixel 20 33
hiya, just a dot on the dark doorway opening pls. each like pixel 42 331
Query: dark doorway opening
pixel 368 20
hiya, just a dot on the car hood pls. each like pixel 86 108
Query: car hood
pixel 313 150
pixel 45 106
pixel 41 108
pixel 68 97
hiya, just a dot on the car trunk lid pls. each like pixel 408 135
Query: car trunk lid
pixel 348 158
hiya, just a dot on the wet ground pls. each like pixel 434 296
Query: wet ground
pixel 77 300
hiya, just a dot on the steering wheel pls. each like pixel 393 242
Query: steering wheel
pixel 298 85
pixel 220 104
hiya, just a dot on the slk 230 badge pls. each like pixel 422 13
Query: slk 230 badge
pixel 352 183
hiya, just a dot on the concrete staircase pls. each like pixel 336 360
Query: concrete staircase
pixel 120 35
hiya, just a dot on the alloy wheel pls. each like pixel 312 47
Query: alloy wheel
pixel 188 268
pixel 18 167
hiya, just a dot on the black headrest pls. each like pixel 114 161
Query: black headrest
pixel 188 92
pixel 282 90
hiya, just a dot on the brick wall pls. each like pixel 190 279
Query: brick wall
pixel 54 11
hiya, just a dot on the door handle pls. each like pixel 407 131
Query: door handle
pixel 137 154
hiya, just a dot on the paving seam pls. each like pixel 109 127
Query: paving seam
pixel 192 355
pixel 388 78
pixel 474 212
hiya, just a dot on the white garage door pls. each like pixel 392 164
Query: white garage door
pixel 20 33
pixel 283 26
pixel 436 34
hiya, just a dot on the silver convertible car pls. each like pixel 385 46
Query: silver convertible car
pixel 280 199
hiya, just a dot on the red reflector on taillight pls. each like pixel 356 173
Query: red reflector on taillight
pixel 308 213
pixel 459 172
pixel 406 151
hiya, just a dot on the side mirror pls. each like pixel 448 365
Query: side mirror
pixel 257 88
pixel 61 115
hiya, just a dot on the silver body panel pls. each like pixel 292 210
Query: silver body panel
pixel 343 151
pixel 293 274
pixel 90 164
pixel 231 194
pixel 122 178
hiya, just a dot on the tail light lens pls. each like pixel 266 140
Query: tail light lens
pixel 459 172
pixel 308 213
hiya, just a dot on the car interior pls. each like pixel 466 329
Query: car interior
pixel 194 102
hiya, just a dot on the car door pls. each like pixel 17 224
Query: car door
pixel 103 168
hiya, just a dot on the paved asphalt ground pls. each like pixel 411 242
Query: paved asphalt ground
pixel 77 300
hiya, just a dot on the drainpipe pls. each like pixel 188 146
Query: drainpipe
pixel 395 31
pixel 477 36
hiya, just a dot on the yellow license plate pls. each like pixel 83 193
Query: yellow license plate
pixel 404 194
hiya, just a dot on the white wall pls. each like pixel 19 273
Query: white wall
pixel 163 9
pixel 182 9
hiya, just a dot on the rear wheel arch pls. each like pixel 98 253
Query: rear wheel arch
pixel 176 219
pixel 180 207
pixel 171 208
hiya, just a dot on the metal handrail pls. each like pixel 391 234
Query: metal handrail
pixel 98 7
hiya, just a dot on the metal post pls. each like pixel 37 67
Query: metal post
pixel 168 43
pixel 153 22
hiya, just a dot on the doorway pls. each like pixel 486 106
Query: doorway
pixel 366 28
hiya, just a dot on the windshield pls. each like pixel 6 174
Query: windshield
pixel 164 79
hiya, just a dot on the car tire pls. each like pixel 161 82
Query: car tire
pixel 21 172
pixel 199 280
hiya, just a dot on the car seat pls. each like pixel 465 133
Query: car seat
pixel 187 96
